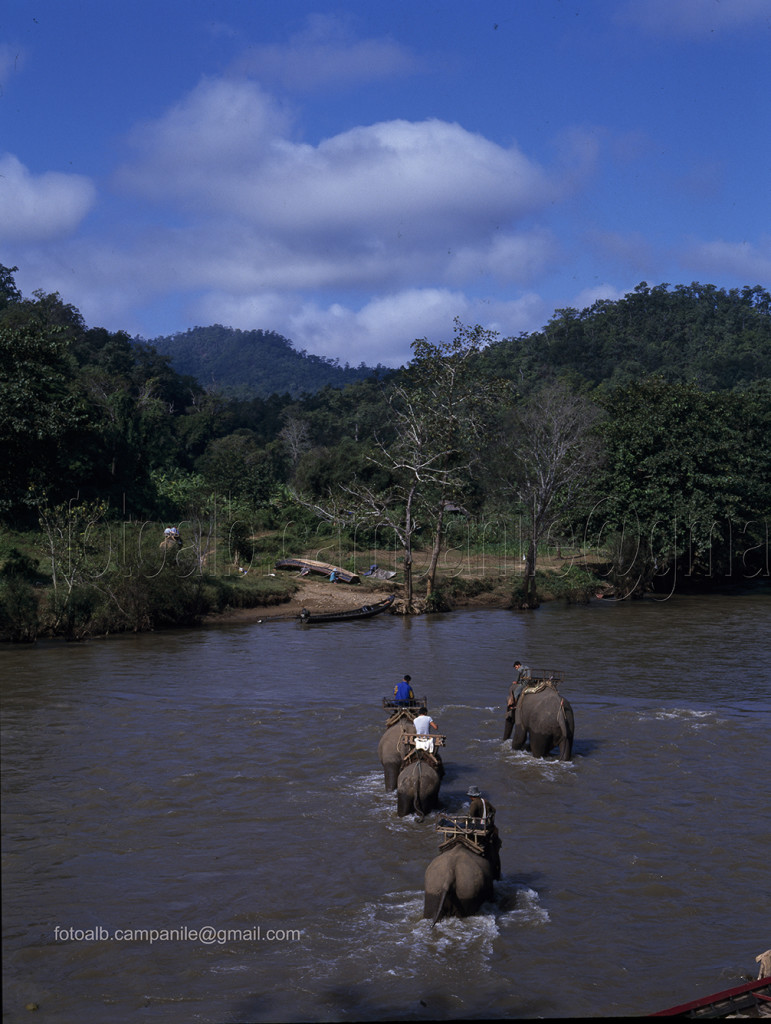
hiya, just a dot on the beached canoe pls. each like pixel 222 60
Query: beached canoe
pixel 365 612
pixel 307 565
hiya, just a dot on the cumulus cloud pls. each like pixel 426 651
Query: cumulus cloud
pixel 695 17
pixel 379 206
pixel 362 335
pixel 589 296
pixel 204 145
pixel 225 149
pixel 326 53
pixel 743 260
pixel 35 208
pixel 339 331
pixel 351 247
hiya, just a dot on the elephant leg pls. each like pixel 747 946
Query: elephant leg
pixel 520 737
pixel 391 776
pixel 406 791
pixel 540 743
pixel 427 792
pixel 404 803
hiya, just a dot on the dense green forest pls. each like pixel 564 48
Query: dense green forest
pixel 254 364
pixel 637 430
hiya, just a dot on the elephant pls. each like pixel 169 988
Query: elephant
pixel 391 750
pixel 418 786
pixel 548 720
pixel 457 883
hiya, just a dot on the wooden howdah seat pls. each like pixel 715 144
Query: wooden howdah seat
pixel 540 678
pixel 475 833
pixel 392 704
pixel 402 709
pixel 423 748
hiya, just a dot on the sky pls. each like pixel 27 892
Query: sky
pixel 356 175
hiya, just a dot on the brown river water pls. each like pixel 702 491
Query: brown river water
pixel 195 827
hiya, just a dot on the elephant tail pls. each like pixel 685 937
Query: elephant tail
pixel 418 806
pixel 440 908
pixel 561 718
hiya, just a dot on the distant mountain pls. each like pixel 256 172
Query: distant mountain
pixel 249 364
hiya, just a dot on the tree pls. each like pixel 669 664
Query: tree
pixel 9 293
pixel 444 403
pixel 37 409
pixel 431 440
pixel 687 472
pixel 69 532
pixel 296 438
pixel 548 449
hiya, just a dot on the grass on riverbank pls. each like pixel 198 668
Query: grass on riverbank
pixel 162 590
pixel 30 607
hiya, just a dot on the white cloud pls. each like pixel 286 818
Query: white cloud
pixel 326 53
pixel 695 17
pixel 589 296
pixel 384 207
pixel 381 330
pixel 211 140
pixel 225 149
pixel 35 208
pixel 743 260
pixel 388 323
pixel 505 257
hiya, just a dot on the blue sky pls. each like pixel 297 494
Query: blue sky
pixel 355 175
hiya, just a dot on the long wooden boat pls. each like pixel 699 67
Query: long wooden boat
pixel 306 565
pixel 365 612
pixel 750 1000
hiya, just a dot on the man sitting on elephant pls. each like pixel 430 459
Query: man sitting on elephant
pixel 423 722
pixel 544 718
pixel 521 675
pixel 403 691
pixel 481 808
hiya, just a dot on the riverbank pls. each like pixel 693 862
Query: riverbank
pixel 320 596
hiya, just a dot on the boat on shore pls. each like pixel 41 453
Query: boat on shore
pixel 365 612
pixel 750 1000
pixel 308 565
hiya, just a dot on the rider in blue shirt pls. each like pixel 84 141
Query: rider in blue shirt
pixel 403 691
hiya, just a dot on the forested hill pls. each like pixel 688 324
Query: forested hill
pixel 715 338
pixel 249 364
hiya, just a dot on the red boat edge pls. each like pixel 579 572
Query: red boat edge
pixel 753 989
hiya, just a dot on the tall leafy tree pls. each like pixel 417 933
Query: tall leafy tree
pixel 38 406
pixel 680 480
pixel 444 402
pixel 547 451
pixel 432 436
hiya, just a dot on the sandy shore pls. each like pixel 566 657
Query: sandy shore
pixel 319 595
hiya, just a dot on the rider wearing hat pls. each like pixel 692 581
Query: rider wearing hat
pixel 522 674
pixel 479 807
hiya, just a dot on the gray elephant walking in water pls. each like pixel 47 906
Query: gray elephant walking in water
pixel 392 748
pixel 544 718
pixel 421 773
pixel 418 787
pixel 460 879
pixel 457 883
